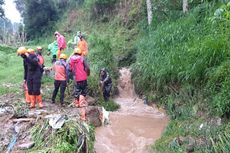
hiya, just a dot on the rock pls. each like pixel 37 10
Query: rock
pixel 56 121
pixel 91 101
pixel 191 145
pixel 93 115
pixel 27 145
pixel 36 113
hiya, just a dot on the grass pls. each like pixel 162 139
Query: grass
pixel 109 105
pixel 185 62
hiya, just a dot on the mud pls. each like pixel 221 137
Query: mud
pixel 134 126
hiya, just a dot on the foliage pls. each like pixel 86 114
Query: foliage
pixel 183 56
pixel 100 56
pixel 39 17
pixel 63 140
pixel 109 105
pixel 2 14
pixel 100 7
pixel 209 137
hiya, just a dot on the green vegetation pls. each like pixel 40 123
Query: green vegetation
pixel 187 62
pixel 64 140
pixel 181 61
pixel 109 105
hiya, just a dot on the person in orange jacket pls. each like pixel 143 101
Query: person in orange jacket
pixel 34 76
pixel 82 44
pixel 60 78
pixel 61 43
pixel 21 52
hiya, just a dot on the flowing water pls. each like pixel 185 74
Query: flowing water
pixel 134 126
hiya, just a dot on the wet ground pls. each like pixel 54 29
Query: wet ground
pixel 134 126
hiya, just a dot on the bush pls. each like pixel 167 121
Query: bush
pixel 181 52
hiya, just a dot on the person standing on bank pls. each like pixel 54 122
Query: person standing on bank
pixel 34 76
pixel 60 78
pixel 81 71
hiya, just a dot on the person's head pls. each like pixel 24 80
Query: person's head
pixel 30 51
pixel 103 71
pixel 63 56
pixel 56 34
pixel 77 51
pixel 39 49
pixel 81 37
pixel 79 33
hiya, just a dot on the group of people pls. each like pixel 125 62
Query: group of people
pixel 76 65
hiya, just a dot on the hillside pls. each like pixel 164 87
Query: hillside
pixel 180 62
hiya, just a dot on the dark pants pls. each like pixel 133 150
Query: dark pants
pixel 106 91
pixel 34 82
pixel 62 85
pixel 80 89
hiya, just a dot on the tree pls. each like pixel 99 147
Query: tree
pixel 38 15
pixel 185 6
pixel 149 11
pixel 1 9
pixel 20 5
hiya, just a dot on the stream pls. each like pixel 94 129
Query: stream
pixel 134 127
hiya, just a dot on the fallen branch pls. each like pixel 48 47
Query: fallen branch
pixel 23 120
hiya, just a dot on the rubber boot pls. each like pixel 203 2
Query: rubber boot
pixel 32 101
pixel 39 100
pixel 82 101
pixel 76 102
pixel 83 114
pixel 27 97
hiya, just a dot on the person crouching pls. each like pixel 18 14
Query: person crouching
pixel 60 78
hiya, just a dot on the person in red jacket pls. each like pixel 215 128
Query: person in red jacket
pixel 60 78
pixel 81 71
pixel 21 52
pixel 61 43
pixel 33 78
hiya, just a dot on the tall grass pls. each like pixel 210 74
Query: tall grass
pixel 186 51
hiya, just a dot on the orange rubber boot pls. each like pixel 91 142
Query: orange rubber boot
pixel 76 102
pixel 82 101
pixel 32 101
pixel 39 100
pixel 27 97
pixel 83 114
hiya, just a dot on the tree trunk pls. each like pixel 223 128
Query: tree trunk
pixel 185 6
pixel 149 11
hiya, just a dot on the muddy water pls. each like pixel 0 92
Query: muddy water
pixel 134 126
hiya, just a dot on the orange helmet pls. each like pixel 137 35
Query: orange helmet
pixel 21 50
pixel 77 51
pixel 30 50
pixel 63 56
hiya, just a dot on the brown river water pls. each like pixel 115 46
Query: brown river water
pixel 134 127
